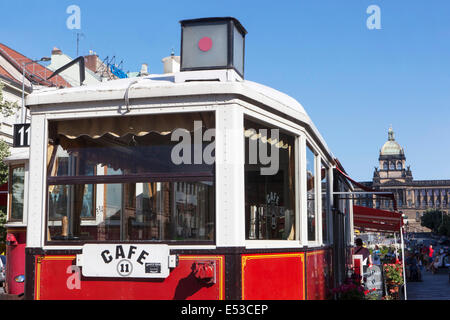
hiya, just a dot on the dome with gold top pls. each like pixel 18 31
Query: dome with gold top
pixel 391 147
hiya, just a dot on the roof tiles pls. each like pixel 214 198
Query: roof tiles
pixel 33 71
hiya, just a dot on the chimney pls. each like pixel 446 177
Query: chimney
pixel 144 70
pixel 56 51
pixel 171 64
pixel 91 62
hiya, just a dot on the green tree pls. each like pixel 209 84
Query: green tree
pixel 7 109
pixel 4 152
pixel 444 227
pixel 2 232
pixel 437 221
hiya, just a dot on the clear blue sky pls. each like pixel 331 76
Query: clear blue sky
pixel 352 81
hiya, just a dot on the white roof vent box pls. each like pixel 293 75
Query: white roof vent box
pixel 213 44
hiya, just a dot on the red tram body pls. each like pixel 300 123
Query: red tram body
pixel 98 177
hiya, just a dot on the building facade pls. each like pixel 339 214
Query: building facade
pixel 413 197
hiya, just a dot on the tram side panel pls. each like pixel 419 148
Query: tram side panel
pixel 319 274
pixel 57 278
pixel 273 276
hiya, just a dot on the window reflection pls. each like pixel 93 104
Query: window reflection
pixel 325 202
pixel 143 211
pixel 116 179
pixel 311 190
pixel 17 192
pixel 269 199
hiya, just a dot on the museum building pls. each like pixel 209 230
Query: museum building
pixel 413 197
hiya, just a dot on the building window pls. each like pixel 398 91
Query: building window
pixel 311 191
pixel 385 165
pixel 140 165
pixel 399 166
pixel 269 198
pixel 16 192
pixel 392 166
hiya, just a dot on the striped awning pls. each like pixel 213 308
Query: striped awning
pixel 371 219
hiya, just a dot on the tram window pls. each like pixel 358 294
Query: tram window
pixel 146 194
pixel 269 199
pixel 325 202
pixel 60 195
pixel 17 176
pixel 311 193
pixel 60 198
pixel 152 211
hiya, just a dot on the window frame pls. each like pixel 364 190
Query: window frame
pixel 296 242
pixel 328 204
pixel 10 195
pixel 317 193
pixel 102 180
pixel 299 134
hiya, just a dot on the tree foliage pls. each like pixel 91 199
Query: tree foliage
pixel 2 231
pixel 7 108
pixel 437 221
pixel 4 152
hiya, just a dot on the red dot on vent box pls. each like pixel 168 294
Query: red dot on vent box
pixel 205 44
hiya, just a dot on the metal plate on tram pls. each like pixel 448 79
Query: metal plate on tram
pixel 126 260
pixel 21 135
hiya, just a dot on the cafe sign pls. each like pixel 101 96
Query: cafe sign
pixel 126 260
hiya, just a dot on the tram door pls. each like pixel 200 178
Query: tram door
pixel 339 229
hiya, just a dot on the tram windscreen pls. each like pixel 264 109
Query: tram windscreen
pixel 269 194
pixel 141 181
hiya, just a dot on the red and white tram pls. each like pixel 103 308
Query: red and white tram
pixel 195 184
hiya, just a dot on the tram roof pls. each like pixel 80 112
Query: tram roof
pixel 158 86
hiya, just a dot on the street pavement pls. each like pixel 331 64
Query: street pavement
pixel 433 286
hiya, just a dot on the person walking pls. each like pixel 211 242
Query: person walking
pixel 434 265
pixel 359 249
pixel 430 257
pixel 376 256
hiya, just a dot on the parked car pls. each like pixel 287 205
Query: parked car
pixel 2 269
